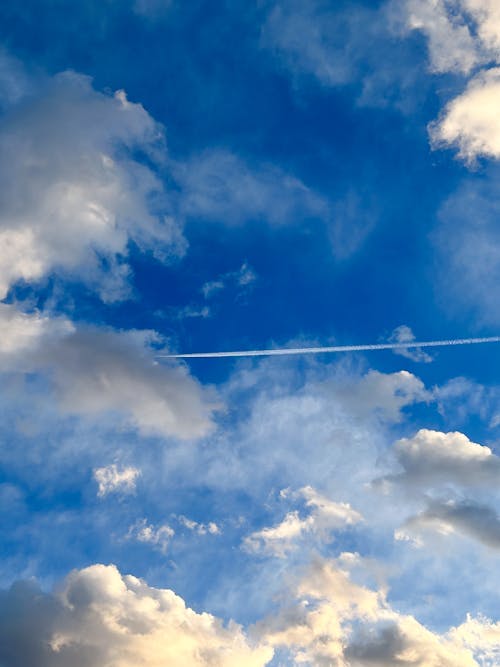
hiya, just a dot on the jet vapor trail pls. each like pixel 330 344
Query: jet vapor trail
pixel 333 348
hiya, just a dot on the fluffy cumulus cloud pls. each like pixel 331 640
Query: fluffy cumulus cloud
pixel 470 121
pixel 322 517
pixel 95 371
pixel 75 190
pixel 336 621
pixel 112 479
pixel 463 36
pixel 345 44
pixel 430 457
pixel 99 617
pixel 157 536
pixel 451 476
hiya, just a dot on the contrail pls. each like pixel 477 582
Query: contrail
pixel 332 348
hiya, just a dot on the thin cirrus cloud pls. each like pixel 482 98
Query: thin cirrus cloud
pixel 218 185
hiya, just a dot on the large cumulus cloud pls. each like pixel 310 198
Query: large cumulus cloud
pixel 95 370
pixel 99 617
pixel 75 190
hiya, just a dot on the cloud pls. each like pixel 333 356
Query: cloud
pixel 467 243
pixel 147 533
pixel 353 45
pixel 384 393
pixel 403 334
pixel 478 522
pixel 433 457
pixel 470 121
pixel 335 621
pixel 464 37
pixel 242 278
pixel 200 528
pixel 219 186
pixel 96 370
pixel 452 46
pixel 100 617
pixel 75 189
pixel 323 517
pixel 111 479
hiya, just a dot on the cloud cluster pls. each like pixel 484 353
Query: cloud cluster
pixel 157 536
pixel 111 479
pixel 464 36
pixel 99 617
pixel 336 621
pixel 323 516
pixel 440 468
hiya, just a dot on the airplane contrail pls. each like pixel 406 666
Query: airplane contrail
pixel 332 348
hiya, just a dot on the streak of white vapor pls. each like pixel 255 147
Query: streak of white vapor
pixel 332 348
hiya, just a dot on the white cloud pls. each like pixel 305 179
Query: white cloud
pixel 470 121
pixel 99 617
pixel 383 393
pixel 433 457
pixel 323 517
pixel 452 47
pixel 157 536
pixel 403 334
pixel 219 186
pixel 464 36
pixel 112 479
pixel 335 621
pixel 97 370
pixel 73 195
pixel 201 528
pixel 241 280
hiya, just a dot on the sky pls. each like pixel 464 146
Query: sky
pixel 182 177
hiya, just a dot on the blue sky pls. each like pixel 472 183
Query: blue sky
pixel 183 177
